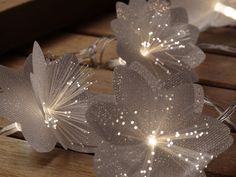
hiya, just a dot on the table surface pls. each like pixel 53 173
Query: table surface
pixel 217 75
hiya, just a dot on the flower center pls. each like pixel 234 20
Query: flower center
pixel 50 121
pixel 144 52
pixel 152 140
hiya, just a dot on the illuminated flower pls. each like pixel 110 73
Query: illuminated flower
pixel 151 31
pixel 204 13
pixel 49 99
pixel 150 131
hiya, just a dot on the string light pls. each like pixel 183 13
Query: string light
pixel 204 14
pixel 146 128
pixel 225 10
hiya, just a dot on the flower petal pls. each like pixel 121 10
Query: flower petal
pixel 135 4
pixel 191 55
pixel 28 67
pixel 194 57
pixel 215 136
pixel 122 10
pixel 131 89
pixel 12 89
pixel 157 79
pixel 39 63
pixel 114 123
pixel 181 99
pixel 195 140
pixel 122 29
pixel 38 135
pixel 120 161
pixel 178 16
pixel 146 71
pixel 168 108
pixel 18 104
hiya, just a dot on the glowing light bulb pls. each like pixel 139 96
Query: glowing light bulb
pixel 152 141
pixel 144 52
pixel 225 10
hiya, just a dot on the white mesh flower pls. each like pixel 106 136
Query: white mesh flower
pixel 151 131
pixel 49 99
pixel 151 31
pixel 204 13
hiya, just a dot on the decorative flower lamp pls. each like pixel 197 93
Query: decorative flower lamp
pixel 49 100
pixel 155 35
pixel 151 131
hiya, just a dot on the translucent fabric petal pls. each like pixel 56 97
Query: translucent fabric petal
pixel 136 4
pixel 122 10
pixel 39 63
pixel 207 135
pixel 11 86
pixel 19 105
pixel 175 100
pixel 156 79
pixel 124 162
pixel 37 134
pixel 178 16
pixel 143 10
pixel 193 58
pixel 28 67
pixel 114 123
pixel 131 43
pixel 184 33
pixel 168 107
pixel 198 144
pixel 131 89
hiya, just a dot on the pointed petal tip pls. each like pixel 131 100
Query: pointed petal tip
pixel 36 45
pixel 37 48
